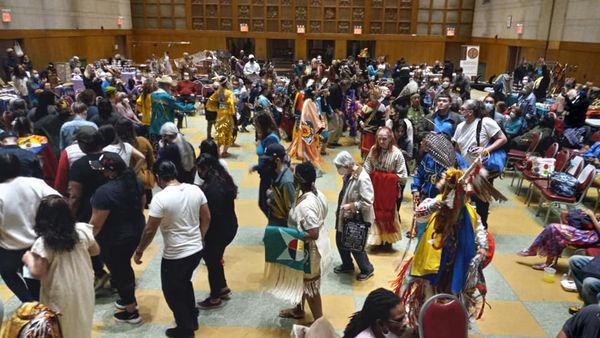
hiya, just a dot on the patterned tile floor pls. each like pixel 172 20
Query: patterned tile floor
pixel 521 304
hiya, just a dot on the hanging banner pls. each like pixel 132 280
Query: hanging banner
pixel 471 61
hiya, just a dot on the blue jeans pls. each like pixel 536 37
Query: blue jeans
pixel 361 257
pixel 588 287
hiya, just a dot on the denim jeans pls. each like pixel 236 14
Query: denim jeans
pixel 361 257
pixel 588 287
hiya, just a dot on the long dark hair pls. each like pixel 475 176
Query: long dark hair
pixel 132 189
pixel 377 306
pixel 266 124
pixel 126 131
pixel 55 224
pixel 45 99
pixel 216 174
pixel 209 146
pixel 105 108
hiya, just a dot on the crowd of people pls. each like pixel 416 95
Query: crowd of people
pixel 78 168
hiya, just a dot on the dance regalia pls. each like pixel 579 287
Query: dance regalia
pixel 38 145
pixel 372 118
pixel 348 109
pixel 446 259
pixel 387 173
pixel 306 144
pixel 223 102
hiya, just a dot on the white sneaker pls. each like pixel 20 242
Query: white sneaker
pixel 568 285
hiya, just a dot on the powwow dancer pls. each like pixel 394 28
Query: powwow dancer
pixel 455 246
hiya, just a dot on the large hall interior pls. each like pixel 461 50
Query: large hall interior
pixel 303 168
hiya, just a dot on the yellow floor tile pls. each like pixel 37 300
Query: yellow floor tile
pixel 509 318
pixel 149 253
pixel 241 332
pixel 248 214
pixel 331 195
pixel 512 221
pixel 238 165
pixel 153 307
pixel 5 293
pixel 250 180
pixel 385 266
pixel 527 283
pixel 240 275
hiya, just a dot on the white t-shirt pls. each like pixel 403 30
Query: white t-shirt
pixel 199 181
pixel 179 208
pixel 74 153
pixel 19 202
pixel 124 151
pixel 465 136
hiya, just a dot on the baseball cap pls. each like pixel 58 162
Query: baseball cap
pixel 274 150
pixel 7 134
pixel 109 160
pixel 88 135
pixel 169 128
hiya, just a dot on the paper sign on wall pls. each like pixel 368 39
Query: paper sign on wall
pixel 471 61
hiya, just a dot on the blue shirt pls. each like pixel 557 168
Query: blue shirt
pixel 429 173
pixel 69 129
pixel 513 126
pixel 443 125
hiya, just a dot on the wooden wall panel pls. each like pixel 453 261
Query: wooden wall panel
pixel 60 45
pixel 301 49
pixel 145 45
pixel 495 57
pixel 412 51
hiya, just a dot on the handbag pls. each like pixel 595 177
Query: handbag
pixel 563 184
pixel 496 160
pixel 354 233
pixel 18 50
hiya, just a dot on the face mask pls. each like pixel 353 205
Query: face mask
pixel 512 115
pixel 445 85
pixel 524 82
pixel 126 100
pixel 36 76
pixel 489 107
pixel 341 171
pixel 582 93
pixel 186 78
pixel 109 78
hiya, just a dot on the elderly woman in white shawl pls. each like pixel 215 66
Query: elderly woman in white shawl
pixel 309 215
pixel 173 147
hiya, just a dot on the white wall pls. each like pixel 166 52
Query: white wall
pixel 573 20
pixel 67 14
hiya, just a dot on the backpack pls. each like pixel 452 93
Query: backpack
pixel 32 320
pixel 563 184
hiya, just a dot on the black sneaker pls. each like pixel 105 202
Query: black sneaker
pixel 225 295
pixel 175 332
pixel 209 304
pixel 120 306
pixel 343 269
pixel 364 276
pixel 128 317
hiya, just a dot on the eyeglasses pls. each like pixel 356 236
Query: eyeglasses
pixel 400 320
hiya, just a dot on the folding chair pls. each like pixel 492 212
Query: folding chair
pixel 443 316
